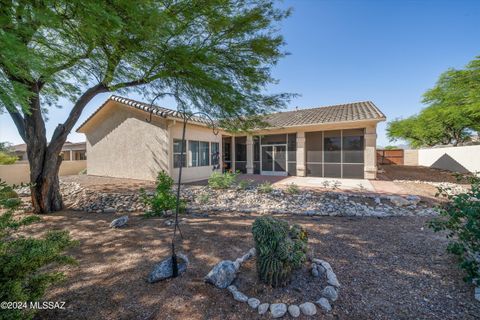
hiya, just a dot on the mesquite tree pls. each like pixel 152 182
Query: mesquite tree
pixel 213 56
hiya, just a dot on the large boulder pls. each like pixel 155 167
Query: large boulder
pixel 163 270
pixel 222 275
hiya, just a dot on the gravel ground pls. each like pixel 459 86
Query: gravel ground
pixel 389 268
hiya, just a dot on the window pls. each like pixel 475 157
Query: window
pixel 215 153
pixel 204 153
pixel 193 152
pixel 177 145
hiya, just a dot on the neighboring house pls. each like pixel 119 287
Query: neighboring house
pixel 335 141
pixel 70 151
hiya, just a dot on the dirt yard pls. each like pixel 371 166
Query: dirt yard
pixel 390 268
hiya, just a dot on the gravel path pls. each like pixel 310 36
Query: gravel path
pixel 390 268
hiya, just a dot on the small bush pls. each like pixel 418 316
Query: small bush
pixel 265 187
pixel 244 184
pixel 222 180
pixel 164 198
pixel 24 261
pixel 5 158
pixel 82 172
pixel 292 188
pixel 280 249
pixel 204 198
pixel 460 217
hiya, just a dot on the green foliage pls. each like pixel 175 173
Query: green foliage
pixel 391 148
pixel 204 198
pixel 244 184
pixel 460 218
pixel 164 198
pixel 292 188
pixel 222 180
pixel 25 262
pixel 265 187
pixel 280 249
pixel 6 158
pixel 452 114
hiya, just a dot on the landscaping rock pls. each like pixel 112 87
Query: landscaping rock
pixel 119 222
pixel 477 293
pixel 308 309
pixel 253 303
pixel 324 304
pixel 330 293
pixel 109 210
pixel 294 311
pixel 278 310
pixel 413 199
pixel 399 201
pixel 263 308
pixel 239 296
pixel 222 274
pixel 163 270
pixel 332 279
pixel 315 272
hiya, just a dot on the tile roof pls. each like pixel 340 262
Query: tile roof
pixel 355 111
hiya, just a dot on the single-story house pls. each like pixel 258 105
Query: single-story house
pixel 131 139
pixel 71 151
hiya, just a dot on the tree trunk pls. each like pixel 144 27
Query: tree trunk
pixel 46 196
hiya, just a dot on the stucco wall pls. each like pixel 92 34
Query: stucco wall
pixel 410 157
pixel 20 172
pixel 123 144
pixel 197 133
pixel 459 159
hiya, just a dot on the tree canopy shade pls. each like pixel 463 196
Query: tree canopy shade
pixel 214 56
pixel 452 114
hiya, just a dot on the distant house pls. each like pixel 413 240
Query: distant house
pixel 71 151
pixel 334 141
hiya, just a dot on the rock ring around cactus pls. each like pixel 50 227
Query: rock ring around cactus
pixel 316 281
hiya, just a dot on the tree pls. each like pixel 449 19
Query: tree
pixel 5 153
pixel 452 114
pixel 212 56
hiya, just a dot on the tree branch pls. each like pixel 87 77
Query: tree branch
pixel 19 123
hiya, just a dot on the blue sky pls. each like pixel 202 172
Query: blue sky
pixel 385 51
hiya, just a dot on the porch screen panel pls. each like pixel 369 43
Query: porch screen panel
pixel 227 155
pixel 314 153
pixel 292 154
pixel 353 153
pixel 256 155
pixel 274 139
pixel 241 154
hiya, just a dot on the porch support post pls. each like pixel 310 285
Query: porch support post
pixel 301 165
pixel 249 154
pixel 370 152
pixel 71 155
pixel 232 150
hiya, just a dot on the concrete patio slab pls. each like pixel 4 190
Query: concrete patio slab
pixel 329 183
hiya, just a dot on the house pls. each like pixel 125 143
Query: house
pixel 131 139
pixel 70 151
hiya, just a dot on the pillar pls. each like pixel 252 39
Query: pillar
pixel 301 165
pixel 371 152
pixel 249 154
pixel 71 155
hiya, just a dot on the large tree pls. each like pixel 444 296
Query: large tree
pixel 452 113
pixel 214 56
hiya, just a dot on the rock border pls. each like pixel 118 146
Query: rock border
pixel 319 268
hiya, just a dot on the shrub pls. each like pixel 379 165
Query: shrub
pixel 25 261
pixel 460 218
pixel 222 180
pixel 244 184
pixel 164 198
pixel 292 188
pixel 280 249
pixel 204 198
pixel 5 158
pixel 265 187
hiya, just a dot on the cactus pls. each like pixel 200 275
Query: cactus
pixel 280 249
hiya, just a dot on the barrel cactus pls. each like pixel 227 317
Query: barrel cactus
pixel 280 249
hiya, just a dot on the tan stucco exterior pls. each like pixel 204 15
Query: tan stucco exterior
pixel 122 143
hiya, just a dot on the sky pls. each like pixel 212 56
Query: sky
pixel 386 51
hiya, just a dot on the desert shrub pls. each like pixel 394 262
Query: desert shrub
pixel 83 171
pixel 265 187
pixel 460 217
pixel 164 197
pixel 292 188
pixel 26 262
pixel 204 198
pixel 244 184
pixel 6 158
pixel 280 249
pixel 222 180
